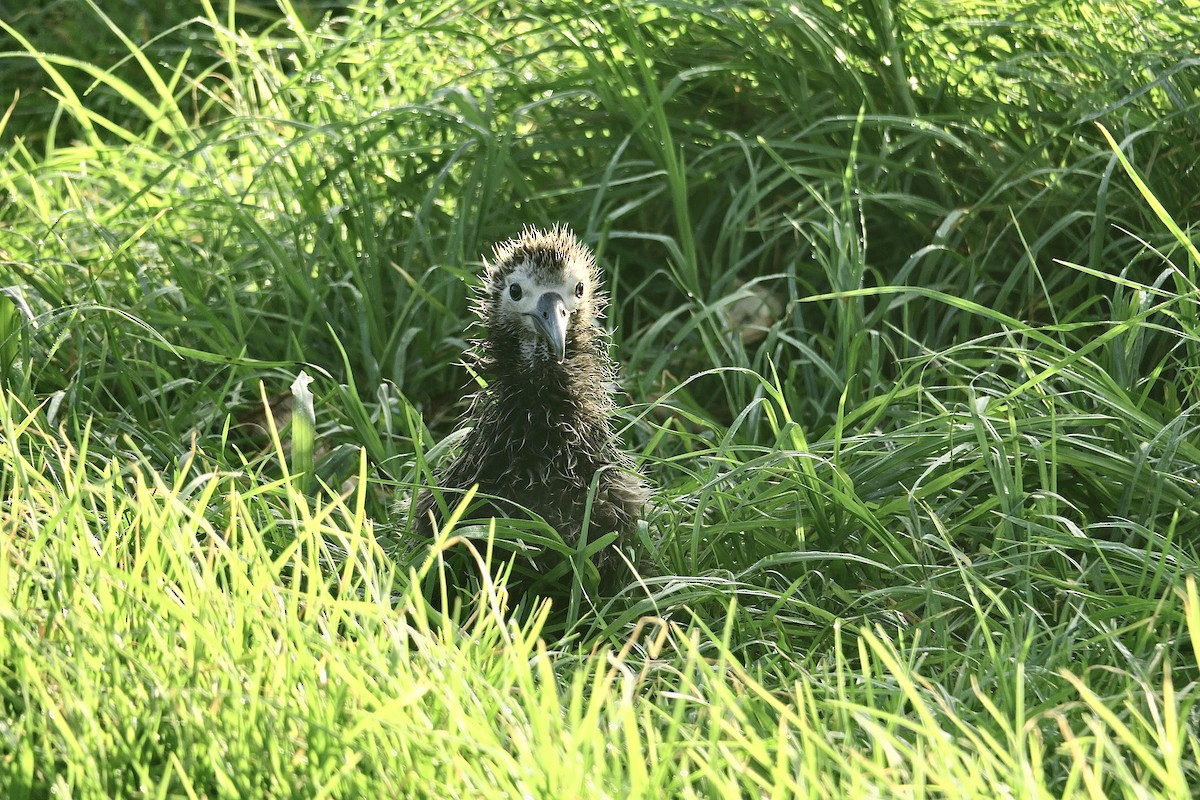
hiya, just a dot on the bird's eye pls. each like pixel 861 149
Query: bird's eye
pixel 514 291
pixel 579 289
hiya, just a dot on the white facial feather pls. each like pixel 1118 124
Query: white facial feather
pixel 532 288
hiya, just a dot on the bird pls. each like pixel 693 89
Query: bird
pixel 539 434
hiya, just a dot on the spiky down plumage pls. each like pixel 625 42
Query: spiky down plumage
pixel 540 432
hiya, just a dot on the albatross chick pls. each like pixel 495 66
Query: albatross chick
pixel 539 435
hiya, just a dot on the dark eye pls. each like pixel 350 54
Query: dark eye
pixel 579 289
pixel 515 292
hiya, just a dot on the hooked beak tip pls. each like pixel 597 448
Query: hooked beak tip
pixel 550 320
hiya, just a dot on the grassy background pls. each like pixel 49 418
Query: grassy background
pixel 926 520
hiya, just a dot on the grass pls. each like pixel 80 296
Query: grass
pixel 905 297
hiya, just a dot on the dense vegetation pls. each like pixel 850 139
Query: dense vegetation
pixel 906 298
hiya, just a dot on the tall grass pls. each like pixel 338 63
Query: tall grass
pixel 167 635
pixel 905 296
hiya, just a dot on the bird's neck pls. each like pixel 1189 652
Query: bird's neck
pixel 578 387
pixel 546 384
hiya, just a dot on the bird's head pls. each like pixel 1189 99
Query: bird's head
pixel 541 289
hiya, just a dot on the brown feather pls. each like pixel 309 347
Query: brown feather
pixel 541 431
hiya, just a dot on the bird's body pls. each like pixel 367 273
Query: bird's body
pixel 540 434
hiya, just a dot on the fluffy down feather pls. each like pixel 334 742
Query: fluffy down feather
pixel 540 432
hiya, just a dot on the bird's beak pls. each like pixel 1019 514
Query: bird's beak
pixel 550 319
